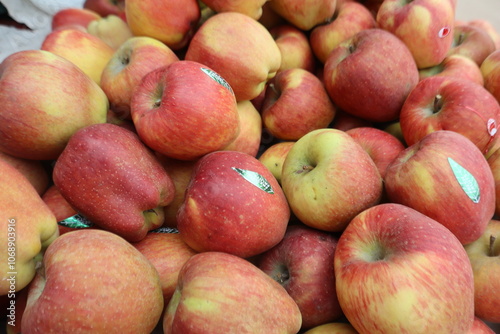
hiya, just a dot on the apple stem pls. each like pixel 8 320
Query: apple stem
pixel 492 243
pixel 438 103
pixel 271 85
pixel 305 168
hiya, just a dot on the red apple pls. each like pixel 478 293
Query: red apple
pixel 480 327
pixel 248 140
pixel 33 170
pixel 455 65
pixel 105 7
pixel 294 46
pixel 490 29
pixel 472 42
pixel 345 121
pixel 304 14
pixel 73 17
pixel 252 8
pixel 490 69
pixel 333 327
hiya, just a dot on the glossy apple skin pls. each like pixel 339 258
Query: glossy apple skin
pixel 425 167
pixel 109 176
pixel 483 255
pixel 222 293
pixel 394 254
pixel 223 211
pixel 86 266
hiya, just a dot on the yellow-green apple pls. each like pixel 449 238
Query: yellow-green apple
pixel 332 328
pixel 167 252
pixel 303 264
pixel 490 69
pixel 294 46
pixel 248 140
pixel 452 178
pixel 425 26
pixel 252 8
pixel 370 75
pixel 33 170
pixel 274 156
pixel 221 293
pixel 111 29
pixel 27 228
pixel 88 52
pixel 345 121
pixel 399 271
pixel 350 17
pixel 455 65
pixel 480 327
pixel 73 17
pixel 185 110
pixel 110 177
pixel 232 204
pixel 106 7
pixel 135 58
pixel 305 15
pixel 450 103
pixel 321 179
pixel 240 49
pixel 490 29
pixel 296 102
pixel 483 254
pixel 394 128
pixel 39 115
pixel 472 42
pixel 172 22
pixel 381 146
pixel 96 282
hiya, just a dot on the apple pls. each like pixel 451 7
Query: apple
pixel 472 42
pixel 483 254
pixel 398 271
pixel 248 140
pixel 269 18
pixel 252 8
pixel 294 46
pixel 425 26
pixel 167 253
pixel 490 69
pixel 222 293
pixel 274 156
pixel 304 14
pixel 480 327
pixel 296 102
pixel 302 264
pixel 370 75
pixel 42 110
pixel 135 58
pixel 345 121
pixel 382 146
pixel 111 164
pixel 321 179
pixel 240 49
pixel 332 328
pixel 350 17
pixel 455 65
pixel 111 29
pixel 449 103
pixel 172 22
pixel 394 128
pixel 28 227
pixel 446 177
pixel 94 281
pixel 69 17
pixel 232 204
pixel 490 29
pixel 33 170
pixel 105 7
pixel 185 110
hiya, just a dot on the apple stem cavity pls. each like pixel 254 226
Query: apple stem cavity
pixel 282 275
pixel 305 168
pixel 491 249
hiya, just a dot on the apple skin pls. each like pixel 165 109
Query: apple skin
pixel 33 170
pixel 167 253
pixel 222 293
pixel 447 103
pixel 111 29
pixel 483 255
pixel 455 65
pixel 111 164
pixel 425 167
pixel 472 42
pixel 248 140
pixel 240 49
pixel 320 178
pixel 490 29
pixel 295 103
pixel 25 221
pixel 382 146
pixel 106 7
pixel 172 22
pixel 224 211
pixel 350 18
pixel 493 159
pixel 294 46
pixel 73 16
pixel 252 8
pixel 135 58
pixel 370 75
pixel 302 264
pixel 39 131
pixel 185 110
pixel 304 14
pixel 393 265
pixel 88 52
pixel 274 156
pixel 490 69
pixel 332 328
pixel 480 327
pixel 87 266
pixel 425 26
pixel 345 121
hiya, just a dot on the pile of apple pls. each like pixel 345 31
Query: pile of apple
pixel 237 166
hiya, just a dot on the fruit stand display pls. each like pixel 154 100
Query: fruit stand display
pixel 237 166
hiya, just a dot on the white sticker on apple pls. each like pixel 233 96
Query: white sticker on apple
pixel 466 180
pixel 214 75
pixel 255 178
